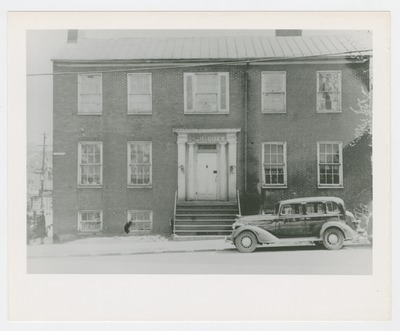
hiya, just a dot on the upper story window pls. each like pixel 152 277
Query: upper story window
pixel 273 89
pixel 274 164
pixel 139 93
pixel 330 164
pixel 329 85
pixel 139 164
pixel 206 93
pixel 90 94
pixel 90 159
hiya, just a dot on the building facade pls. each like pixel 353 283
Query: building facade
pixel 142 126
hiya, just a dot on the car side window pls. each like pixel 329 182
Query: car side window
pixel 315 208
pixel 332 207
pixel 292 209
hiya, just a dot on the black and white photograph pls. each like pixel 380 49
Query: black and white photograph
pixel 170 151
pixel 201 166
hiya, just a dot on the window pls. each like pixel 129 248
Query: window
pixel 141 221
pixel 139 94
pixel 332 207
pixel 292 209
pixel 273 91
pixel 139 163
pixel 274 164
pixel 90 155
pixel 90 221
pixel 90 94
pixel 315 208
pixel 329 91
pixel 330 172
pixel 206 92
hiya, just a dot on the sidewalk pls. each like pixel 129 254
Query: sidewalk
pixel 129 245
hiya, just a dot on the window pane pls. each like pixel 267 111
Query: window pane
pixel 139 84
pixel 273 82
pixel 139 102
pixel 274 101
pixel 207 83
pixel 206 102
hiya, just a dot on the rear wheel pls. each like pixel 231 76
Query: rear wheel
pixel 246 242
pixel 333 239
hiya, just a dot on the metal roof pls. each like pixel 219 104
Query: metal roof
pixel 213 48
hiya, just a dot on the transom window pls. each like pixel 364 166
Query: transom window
pixel 140 221
pixel 273 91
pixel 329 84
pixel 139 163
pixel 330 164
pixel 90 221
pixel 206 92
pixel 90 94
pixel 90 163
pixel 139 93
pixel 274 164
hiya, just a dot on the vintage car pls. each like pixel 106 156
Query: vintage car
pixel 321 220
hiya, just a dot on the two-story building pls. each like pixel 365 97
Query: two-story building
pixel 179 134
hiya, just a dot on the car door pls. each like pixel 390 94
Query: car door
pixel 292 221
pixel 315 217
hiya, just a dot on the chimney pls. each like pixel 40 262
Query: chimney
pixel 288 33
pixel 73 36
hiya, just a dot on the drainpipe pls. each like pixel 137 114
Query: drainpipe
pixel 246 90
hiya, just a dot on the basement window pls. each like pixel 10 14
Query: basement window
pixel 90 221
pixel 140 221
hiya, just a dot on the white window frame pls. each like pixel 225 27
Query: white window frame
pixel 340 91
pixel 263 109
pixel 80 221
pixel 278 185
pixel 80 112
pixel 142 221
pixel 150 112
pixel 100 143
pixel 130 185
pixel 194 76
pixel 340 184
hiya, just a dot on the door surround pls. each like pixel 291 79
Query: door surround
pixel 226 142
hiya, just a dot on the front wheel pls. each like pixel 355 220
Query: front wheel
pixel 333 239
pixel 246 242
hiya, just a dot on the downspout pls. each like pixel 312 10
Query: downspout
pixel 246 90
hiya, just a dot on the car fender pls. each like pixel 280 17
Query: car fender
pixel 347 230
pixel 262 235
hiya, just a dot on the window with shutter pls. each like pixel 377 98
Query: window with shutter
pixel 206 93
pixel 273 92
pixel 90 94
pixel 139 93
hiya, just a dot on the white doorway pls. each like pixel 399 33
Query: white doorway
pixel 207 175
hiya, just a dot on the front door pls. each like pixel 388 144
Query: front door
pixel 207 176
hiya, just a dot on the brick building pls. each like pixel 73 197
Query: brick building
pixel 179 134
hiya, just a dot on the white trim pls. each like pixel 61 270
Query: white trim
pixel 151 91
pixel 340 92
pixel 284 92
pixel 79 93
pixel 329 186
pixel 151 165
pixel 80 220
pixel 264 185
pixel 180 131
pixel 79 164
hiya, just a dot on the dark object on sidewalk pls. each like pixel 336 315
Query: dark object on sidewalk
pixel 127 227
pixel 40 227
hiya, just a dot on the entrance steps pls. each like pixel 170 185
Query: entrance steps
pixel 204 218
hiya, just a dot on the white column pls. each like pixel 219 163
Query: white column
pixel 191 174
pixel 182 139
pixel 223 184
pixel 232 168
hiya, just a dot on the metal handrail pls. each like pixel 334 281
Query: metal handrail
pixel 173 220
pixel 238 201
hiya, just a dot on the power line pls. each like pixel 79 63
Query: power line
pixel 203 64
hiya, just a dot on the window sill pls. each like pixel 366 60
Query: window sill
pixel 90 186
pixel 146 114
pixel 274 186
pixel 210 113
pixel 329 111
pixel 273 112
pixel 90 114
pixel 140 186
pixel 328 187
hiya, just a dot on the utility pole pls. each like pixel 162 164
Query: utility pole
pixel 43 172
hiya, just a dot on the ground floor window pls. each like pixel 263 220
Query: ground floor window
pixel 274 164
pixel 90 221
pixel 330 164
pixel 141 221
pixel 139 163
